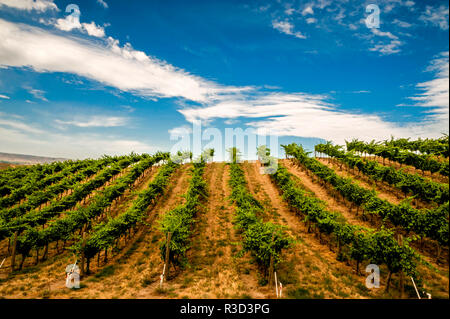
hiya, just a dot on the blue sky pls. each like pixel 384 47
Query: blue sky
pixel 125 74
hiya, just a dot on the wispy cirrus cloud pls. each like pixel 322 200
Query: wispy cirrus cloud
pixel 385 48
pixel 106 62
pixel 434 94
pixel 11 122
pixel 298 114
pixel 38 5
pixel 436 16
pixel 2 96
pixel 37 94
pixel 287 28
pixel 402 24
pixel 96 121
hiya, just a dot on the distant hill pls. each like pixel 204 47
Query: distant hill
pixel 22 159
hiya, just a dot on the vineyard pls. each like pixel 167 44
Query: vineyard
pixel 174 226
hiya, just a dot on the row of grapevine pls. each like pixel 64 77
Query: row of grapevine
pixel 42 196
pixel 40 217
pixel 438 147
pixel 353 242
pixel 64 228
pixel 41 183
pixel 178 221
pixel 108 233
pixel 14 178
pixel 412 184
pixel 265 240
pixel 431 223
pixel 423 162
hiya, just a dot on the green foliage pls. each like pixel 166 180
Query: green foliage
pixel 263 240
pixel 179 220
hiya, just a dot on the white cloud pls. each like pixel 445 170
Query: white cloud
pixel 38 5
pixel 5 120
pixel 287 28
pixel 435 93
pixel 360 91
pixel 311 20
pixel 4 97
pixel 68 23
pixel 298 115
pixel 103 3
pixel 180 131
pixel 401 24
pixel 94 30
pixel 308 10
pixel 437 16
pixel 37 94
pixel 289 11
pixel 106 62
pixel 305 115
pixel 71 22
pixel 384 34
pixel 386 48
pixel 96 121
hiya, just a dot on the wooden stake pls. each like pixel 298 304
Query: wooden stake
pixel 417 292
pixel 166 260
pixel 276 283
